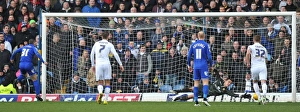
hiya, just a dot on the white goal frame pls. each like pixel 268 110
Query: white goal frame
pixel 211 14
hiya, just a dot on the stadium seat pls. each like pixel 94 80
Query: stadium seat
pixel 165 88
pixel 178 87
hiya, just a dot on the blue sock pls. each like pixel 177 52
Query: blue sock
pixel 37 87
pixel 205 91
pixel 196 90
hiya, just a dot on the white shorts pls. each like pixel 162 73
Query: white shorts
pixel 259 73
pixel 103 72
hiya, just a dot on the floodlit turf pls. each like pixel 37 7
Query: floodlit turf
pixel 146 107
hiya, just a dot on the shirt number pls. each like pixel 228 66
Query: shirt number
pixel 24 52
pixel 198 53
pixel 101 48
pixel 260 53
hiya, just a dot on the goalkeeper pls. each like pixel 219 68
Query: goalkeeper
pixel 219 87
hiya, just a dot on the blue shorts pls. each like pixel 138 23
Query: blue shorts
pixel 201 74
pixel 27 67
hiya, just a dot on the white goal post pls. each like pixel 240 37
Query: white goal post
pixel 211 14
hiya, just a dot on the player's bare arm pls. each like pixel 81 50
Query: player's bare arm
pixel 248 54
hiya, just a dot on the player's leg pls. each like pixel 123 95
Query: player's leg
pixel 264 87
pixel 107 78
pixel 205 89
pixel 36 83
pixel 99 70
pixel 196 85
pixel 255 76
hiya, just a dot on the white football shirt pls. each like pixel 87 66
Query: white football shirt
pixel 102 49
pixel 258 55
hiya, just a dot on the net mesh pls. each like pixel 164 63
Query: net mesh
pixel 167 40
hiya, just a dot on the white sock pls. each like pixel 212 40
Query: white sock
pixel 256 89
pixel 107 91
pixel 248 86
pixel 264 88
pixel 100 89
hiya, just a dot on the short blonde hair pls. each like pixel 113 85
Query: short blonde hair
pixel 201 35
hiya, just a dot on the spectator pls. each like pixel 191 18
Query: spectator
pixel 48 8
pixel 273 87
pixel 280 22
pixel 36 6
pixel 13 31
pixel 24 12
pixel 157 36
pixel 285 58
pixel 4 54
pixel 91 81
pixel 139 39
pixel 104 7
pixel 76 85
pixel 8 37
pixel 144 65
pixel 91 8
pixel 242 52
pixel 220 66
pixel 83 63
pixel 32 29
pixel 270 6
pixel 170 66
pixel 214 48
pixel 290 5
pixel 7 45
pixel 23 35
pixel 66 7
pixel 227 43
pixel 9 75
pixel 129 63
pixel 25 21
pixel 11 21
pixel 78 51
pixel 157 79
pixel 120 86
pixel 58 5
pixel 172 44
pixel 145 87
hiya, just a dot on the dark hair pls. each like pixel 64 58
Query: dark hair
pixel 31 41
pixel 105 35
pixel 256 38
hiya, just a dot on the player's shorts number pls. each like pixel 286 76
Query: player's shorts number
pixel 198 53
pixel 101 48
pixel 260 53
pixel 24 52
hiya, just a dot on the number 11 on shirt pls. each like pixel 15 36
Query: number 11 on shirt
pixel 198 53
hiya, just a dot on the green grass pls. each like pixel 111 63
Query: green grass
pixel 146 107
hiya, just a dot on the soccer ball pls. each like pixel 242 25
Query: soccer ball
pixel 255 97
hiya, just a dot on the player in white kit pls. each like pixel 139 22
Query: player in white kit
pixel 258 54
pixel 103 68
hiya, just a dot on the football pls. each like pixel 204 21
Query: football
pixel 255 97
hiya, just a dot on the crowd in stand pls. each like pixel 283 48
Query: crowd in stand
pixel 153 50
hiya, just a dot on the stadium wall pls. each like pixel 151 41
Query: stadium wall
pixel 134 97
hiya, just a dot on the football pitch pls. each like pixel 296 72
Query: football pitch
pixel 146 107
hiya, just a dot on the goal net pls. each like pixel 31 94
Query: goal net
pixel 153 49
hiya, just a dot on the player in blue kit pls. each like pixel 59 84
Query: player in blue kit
pixel 202 57
pixel 26 65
